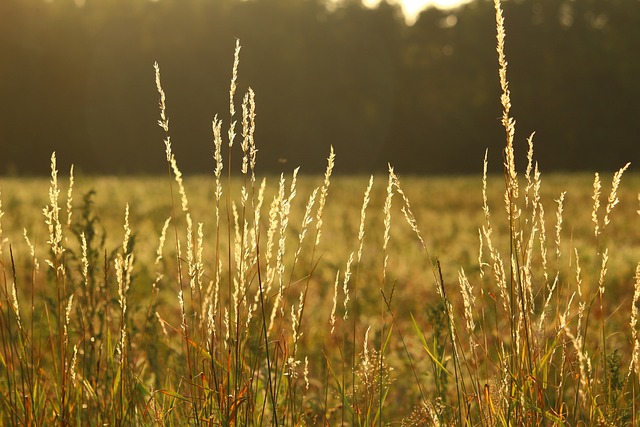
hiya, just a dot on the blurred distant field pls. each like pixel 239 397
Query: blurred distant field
pixel 448 211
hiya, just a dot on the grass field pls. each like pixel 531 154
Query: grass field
pixel 220 300
pixel 448 210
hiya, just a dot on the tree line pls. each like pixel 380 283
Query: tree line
pixel 77 77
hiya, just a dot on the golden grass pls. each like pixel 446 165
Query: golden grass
pixel 427 301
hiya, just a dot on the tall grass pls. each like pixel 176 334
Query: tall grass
pixel 241 316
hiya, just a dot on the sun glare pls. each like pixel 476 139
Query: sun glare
pixel 412 8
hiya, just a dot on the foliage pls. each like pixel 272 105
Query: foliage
pixel 256 306
pixel 75 81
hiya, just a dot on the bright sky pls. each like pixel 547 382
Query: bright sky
pixel 412 8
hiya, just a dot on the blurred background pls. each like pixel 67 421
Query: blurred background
pixel 381 81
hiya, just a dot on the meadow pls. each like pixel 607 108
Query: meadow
pixel 235 299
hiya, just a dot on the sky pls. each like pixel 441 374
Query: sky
pixel 412 8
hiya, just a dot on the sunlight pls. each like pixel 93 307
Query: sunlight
pixel 412 8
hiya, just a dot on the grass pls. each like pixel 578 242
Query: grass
pixel 238 300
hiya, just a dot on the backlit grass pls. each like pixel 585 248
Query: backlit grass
pixel 236 299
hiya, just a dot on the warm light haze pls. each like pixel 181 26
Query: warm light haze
pixel 412 8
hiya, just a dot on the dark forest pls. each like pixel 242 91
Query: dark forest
pixel 79 80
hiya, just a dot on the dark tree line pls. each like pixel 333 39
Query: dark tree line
pixel 79 80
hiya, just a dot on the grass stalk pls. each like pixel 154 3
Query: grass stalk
pixel 253 345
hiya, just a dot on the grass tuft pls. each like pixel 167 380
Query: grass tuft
pixel 267 301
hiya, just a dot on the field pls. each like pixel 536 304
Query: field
pixel 234 299
pixel 449 213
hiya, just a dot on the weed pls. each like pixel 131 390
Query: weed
pixel 244 312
